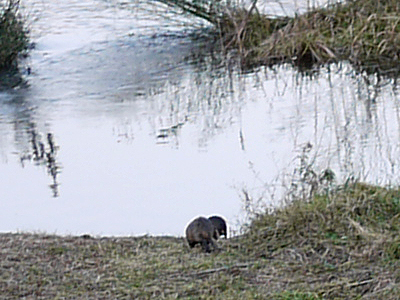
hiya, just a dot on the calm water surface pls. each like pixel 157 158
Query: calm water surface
pixel 128 126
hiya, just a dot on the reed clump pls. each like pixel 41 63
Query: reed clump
pixel 13 35
pixel 361 31
pixel 246 30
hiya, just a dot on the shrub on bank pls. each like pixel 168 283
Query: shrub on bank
pixel 13 35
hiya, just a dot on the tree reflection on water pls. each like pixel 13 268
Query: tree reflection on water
pixel 42 152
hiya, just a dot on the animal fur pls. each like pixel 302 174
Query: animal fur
pixel 201 231
pixel 220 226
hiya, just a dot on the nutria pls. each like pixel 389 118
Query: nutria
pixel 220 226
pixel 201 231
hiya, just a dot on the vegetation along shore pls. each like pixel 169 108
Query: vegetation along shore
pixel 341 244
pixel 13 34
pixel 14 42
pixel 363 32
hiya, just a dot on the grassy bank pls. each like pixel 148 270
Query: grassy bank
pixel 361 31
pixel 364 32
pixel 340 245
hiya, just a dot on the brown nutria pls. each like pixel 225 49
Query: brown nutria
pixel 201 231
pixel 220 226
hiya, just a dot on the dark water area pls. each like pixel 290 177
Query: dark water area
pixel 129 126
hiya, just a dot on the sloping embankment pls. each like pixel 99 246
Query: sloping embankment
pixel 341 245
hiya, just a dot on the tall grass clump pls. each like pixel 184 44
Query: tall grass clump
pixel 356 215
pixel 340 244
pixel 13 35
pixel 363 32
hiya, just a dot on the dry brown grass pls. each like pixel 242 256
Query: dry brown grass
pixel 364 32
pixel 341 245
pixel 360 31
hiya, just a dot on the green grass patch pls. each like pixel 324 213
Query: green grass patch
pixel 297 296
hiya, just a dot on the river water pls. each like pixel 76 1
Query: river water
pixel 129 126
